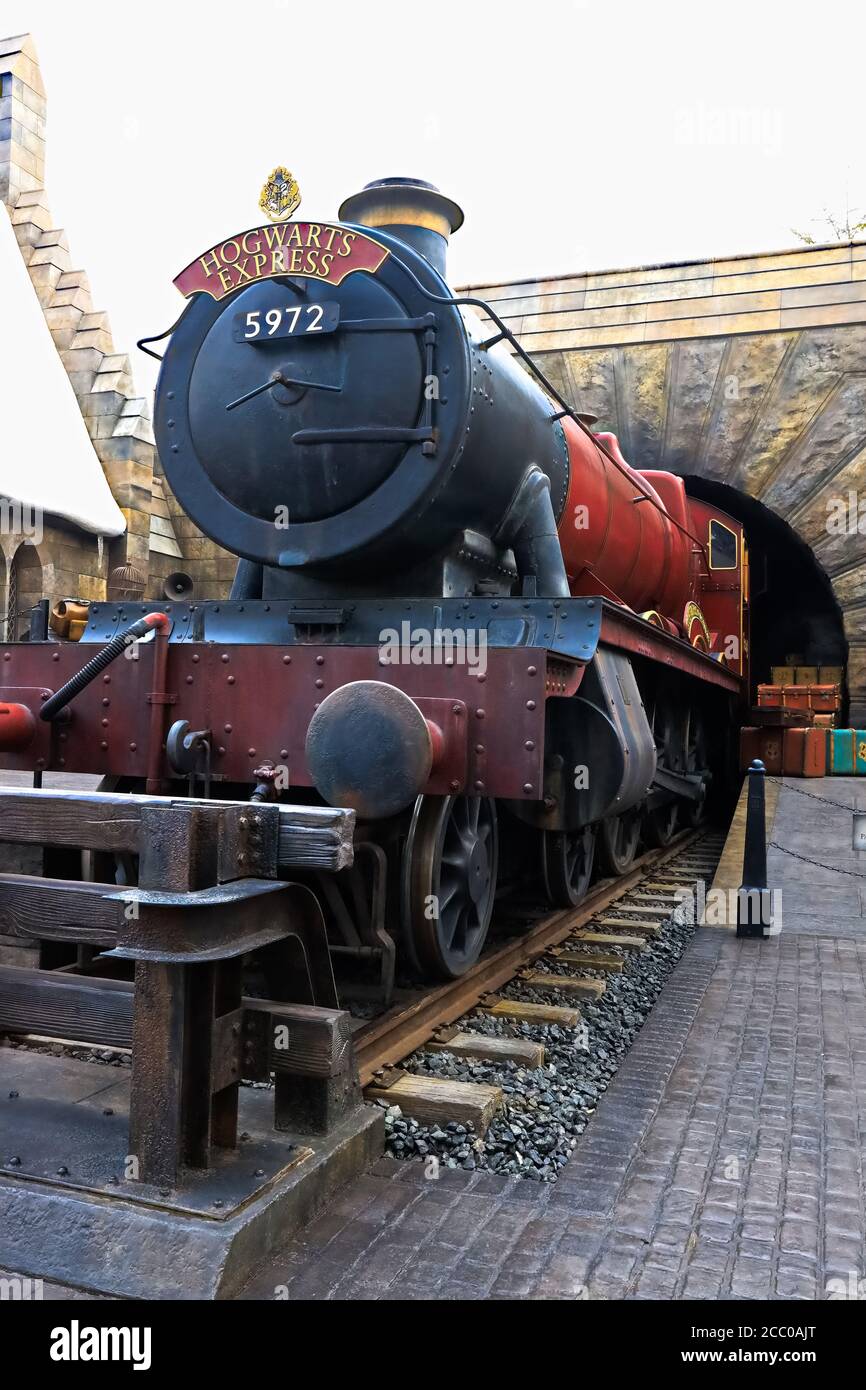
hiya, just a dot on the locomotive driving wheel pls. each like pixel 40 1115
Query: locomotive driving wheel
pixel 449 882
pixel 618 840
pixel 567 867
pixel 697 759
pixel 660 824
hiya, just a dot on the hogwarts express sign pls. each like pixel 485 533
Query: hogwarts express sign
pixel 314 249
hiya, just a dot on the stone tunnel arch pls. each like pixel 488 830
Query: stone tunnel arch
pixel 793 604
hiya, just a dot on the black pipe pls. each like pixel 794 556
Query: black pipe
pixel 247 583
pixel 529 529
pixel 60 699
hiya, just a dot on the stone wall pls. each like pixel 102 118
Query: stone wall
pixel 749 371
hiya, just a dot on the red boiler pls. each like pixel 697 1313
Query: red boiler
pixel 617 532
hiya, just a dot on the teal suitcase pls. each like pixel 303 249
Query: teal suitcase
pixel 841 752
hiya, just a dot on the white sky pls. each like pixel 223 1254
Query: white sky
pixel 575 135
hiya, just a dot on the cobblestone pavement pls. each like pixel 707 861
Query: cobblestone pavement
pixel 726 1160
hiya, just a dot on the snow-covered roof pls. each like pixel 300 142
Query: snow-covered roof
pixel 46 457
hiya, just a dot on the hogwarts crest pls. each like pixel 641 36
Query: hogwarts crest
pixel 281 195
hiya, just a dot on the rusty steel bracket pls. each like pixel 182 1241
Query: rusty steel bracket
pixel 386 1077
pixel 207 924
pixel 446 1032
pixel 249 842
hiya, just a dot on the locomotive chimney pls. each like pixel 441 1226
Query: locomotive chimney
pixel 410 209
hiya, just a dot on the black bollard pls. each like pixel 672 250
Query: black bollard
pixel 754 915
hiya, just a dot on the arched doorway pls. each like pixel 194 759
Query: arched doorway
pixel 25 589
pixel 793 606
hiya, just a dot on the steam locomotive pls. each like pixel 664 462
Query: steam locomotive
pixel 457 608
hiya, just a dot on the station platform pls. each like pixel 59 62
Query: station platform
pixel 726 1159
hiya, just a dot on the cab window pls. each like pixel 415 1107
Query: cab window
pixel 723 547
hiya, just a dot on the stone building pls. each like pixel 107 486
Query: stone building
pixel 84 536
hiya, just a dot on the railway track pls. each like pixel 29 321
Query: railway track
pixel 449 1062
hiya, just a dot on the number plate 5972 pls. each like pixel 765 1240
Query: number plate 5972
pixel 286 321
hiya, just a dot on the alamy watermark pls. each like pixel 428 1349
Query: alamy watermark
pixel 20 519
pixel 420 646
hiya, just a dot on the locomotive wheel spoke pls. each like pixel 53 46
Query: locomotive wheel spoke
pixel 449 882
pixel 618 840
pixel 568 863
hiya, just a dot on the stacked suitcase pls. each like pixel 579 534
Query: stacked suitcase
pixel 793 730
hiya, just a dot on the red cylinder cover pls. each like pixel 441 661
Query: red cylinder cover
pixel 632 547
pixel 17 725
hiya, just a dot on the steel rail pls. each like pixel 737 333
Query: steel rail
pixel 393 1035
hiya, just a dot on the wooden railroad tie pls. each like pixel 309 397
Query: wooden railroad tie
pixel 647 928
pixel 569 984
pixel 647 908
pixel 519 1050
pixel 600 938
pixel 612 964
pixel 436 1100
pixel 523 1012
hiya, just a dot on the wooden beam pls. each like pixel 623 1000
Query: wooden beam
pixel 626 923
pixel 66 1006
pixel 436 1100
pixel 569 984
pixel 526 1012
pixel 99 1012
pixel 300 1039
pixel 600 938
pixel 648 910
pixel 318 837
pixel 519 1050
pixel 612 964
pixel 58 909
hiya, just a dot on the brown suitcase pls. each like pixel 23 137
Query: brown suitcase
pixel 783 718
pixel 824 699
pixel 804 753
pixel 797 696
pixel 782 675
pixel 765 744
pixel 830 675
pixel 770 696
pixel 824 721
pixel 805 675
